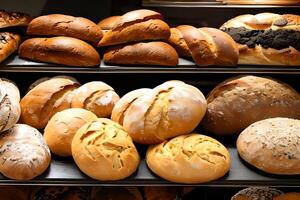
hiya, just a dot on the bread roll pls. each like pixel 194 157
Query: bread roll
pixel 24 154
pixel 209 46
pixel 62 127
pixel 44 100
pixel 104 151
pixel 266 38
pixel 48 193
pixel 137 25
pixel 272 145
pixel 97 97
pixel 160 193
pixel 116 193
pixel 60 50
pixel 192 158
pixel 248 99
pixel 11 88
pixel 177 41
pixel 252 193
pixel 9 43
pixel 10 19
pixel 109 22
pixel 14 192
pixel 288 196
pixel 65 25
pixel 145 53
pixel 171 109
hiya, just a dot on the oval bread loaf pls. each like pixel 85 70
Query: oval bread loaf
pixel 11 19
pixel 108 23
pixel 9 43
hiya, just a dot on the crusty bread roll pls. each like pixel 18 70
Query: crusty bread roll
pixel 171 109
pixel 272 145
pixel 23 153
pixel 209 46
pixel 253 193
pixel 104 151
pixel 192 158
pixel 160 193
pixel 48 193
pixel 116 193
pixel 288 196
pixel 65 25
pixel 143 53
pixel 108 23
pixel 62 127
pixel 60 50
pixel 46 99
pixel 137 25
pixel 10 19
pixel 9 192
pixel 9 43
pixel 95 96
pixel 177 41
pixel 266 38
pixel 240 101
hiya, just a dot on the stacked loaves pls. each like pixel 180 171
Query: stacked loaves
pixel 68 41
pixel 137 36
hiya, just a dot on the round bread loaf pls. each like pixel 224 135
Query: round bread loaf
pixel 62 127
pixel 116 193
pixel 104 151
pixel 171 109
pixel 109 22
pixel 97 97
pixel 192 158
pixel 9 192
pixel 46 99
pixel 23 153
pixel 60 50
pixel 288 196
pixel 48 193
pixel 238 102
pixel 257 193
pixel 272 145
pixel 11 88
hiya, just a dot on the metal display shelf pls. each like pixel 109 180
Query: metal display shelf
pixel 65 172
pixel 16 64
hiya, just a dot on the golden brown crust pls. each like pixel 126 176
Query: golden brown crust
pixel 60 50
pixel 65 25
pixel 104 151
pixel 10 19
pixel 248 99
pixel 288 196
pixel 9 43
pixel 272 145
pixel 109 22
pixel 44 100
pixel 192 158
pixel 144 53
pixel 177 41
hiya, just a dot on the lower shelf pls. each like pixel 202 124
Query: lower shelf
pixel 65 172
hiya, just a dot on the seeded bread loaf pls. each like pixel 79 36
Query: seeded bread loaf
pixel 253 193
pixel 10 19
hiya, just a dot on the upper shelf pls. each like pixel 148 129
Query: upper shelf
pixel 16 64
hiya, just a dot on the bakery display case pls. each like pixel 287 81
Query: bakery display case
pixel 149 62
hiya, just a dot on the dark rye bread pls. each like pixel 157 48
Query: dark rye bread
pixel 9 43
pixel 257 193
pixel 10 19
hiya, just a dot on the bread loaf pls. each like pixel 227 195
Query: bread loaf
pixel 272 145
pixel 137 25
pixel 192 158
pixel 62 127
pixel 104 151
pixel 171 109
pixel 60 50
pixel 23 153
pixel 9 43
pixel 10 19
pixel 65 25
pixel 209 46
pixel 44 100
pixel 144 53
pixel 177 41
pixel 116 193
pixel 252 193
pixel 109 22
pixel 238 102
pixel 11 88
pixel 288 196
pixel 97 97
pixel 266 38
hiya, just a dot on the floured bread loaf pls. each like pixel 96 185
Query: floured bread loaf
pixel 137 25
pixel 272 145
pixel 95 96
pixel 104 151
pixel 192 158
pixel 24 154
pixel 257 193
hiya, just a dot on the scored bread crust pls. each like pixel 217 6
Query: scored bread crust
pixel 10 19
pixel 60 50
pixel 192 158
pixel 143 53
pixel 177 41
pixel 240 101
pixel 65 25
pixel 44 100
pixel 109 22
pixel 9 43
